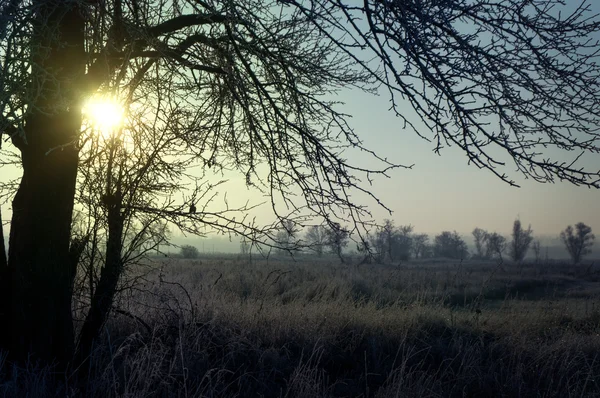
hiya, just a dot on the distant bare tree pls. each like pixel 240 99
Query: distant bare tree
pixel 245 247
pixel 427 251
pixel 578 241
pixel 451 245
pixel 365 251
pixel 403 242
pixel 420 243
pixel 388 231
pixel 390 243
pixel 521 240
pixel 480 236
pixel 495 245
pixel 377 245
pixel 537 248
pixel 316 239
pixel 337 239
pixel 286 236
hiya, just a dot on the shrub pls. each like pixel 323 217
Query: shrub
pixel 189 251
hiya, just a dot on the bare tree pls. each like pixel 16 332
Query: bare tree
pixel 377 245
pixel 245 247
pixel 420 243
pixel 495 245
pixel 428 251
pixel 403 242
pixel 480 236
pixel 579 241
pixel 389 234
pixel 537 249
pixel 316 239
pixel 389 242
pixel 364 249
pixel 521 239
pixel 130 180
pixel 450 245
pixel 286 237
pixel 337 239
pixel 252 84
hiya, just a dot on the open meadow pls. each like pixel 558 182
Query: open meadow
pixel 220 326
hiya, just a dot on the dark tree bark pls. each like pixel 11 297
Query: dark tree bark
pixel 37 301
pixel 3 259
pixel 4 276
pixel 104 294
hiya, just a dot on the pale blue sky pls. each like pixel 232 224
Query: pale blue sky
pixel 445 193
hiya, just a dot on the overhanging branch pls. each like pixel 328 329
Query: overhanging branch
pixel 184 21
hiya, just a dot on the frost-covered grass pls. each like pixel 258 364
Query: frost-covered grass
pixel 226 328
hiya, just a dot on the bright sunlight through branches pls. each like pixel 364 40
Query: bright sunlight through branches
pixel 104 114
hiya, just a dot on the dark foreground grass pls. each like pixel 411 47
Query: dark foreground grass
pixel 223 328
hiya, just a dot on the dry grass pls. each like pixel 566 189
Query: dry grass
pixel 224 328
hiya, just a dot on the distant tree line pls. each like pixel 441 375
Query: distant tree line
pixel 389 243
pixel 578 242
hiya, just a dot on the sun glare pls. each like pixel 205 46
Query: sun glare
pixel 106 115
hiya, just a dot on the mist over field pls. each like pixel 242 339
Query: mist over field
pixel 216 245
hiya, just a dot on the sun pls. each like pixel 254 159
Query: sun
pixel 104 114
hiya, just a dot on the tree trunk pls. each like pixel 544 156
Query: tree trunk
pixel 104 294
pixel 37 301
pixel 41 275
pixel 3 259
pixel 4 285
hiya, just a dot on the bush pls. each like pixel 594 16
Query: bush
pixel 188 251
pixel 451 245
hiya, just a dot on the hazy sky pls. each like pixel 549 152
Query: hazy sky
pixel 444 193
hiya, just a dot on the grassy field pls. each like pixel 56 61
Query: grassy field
pixel 222 327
